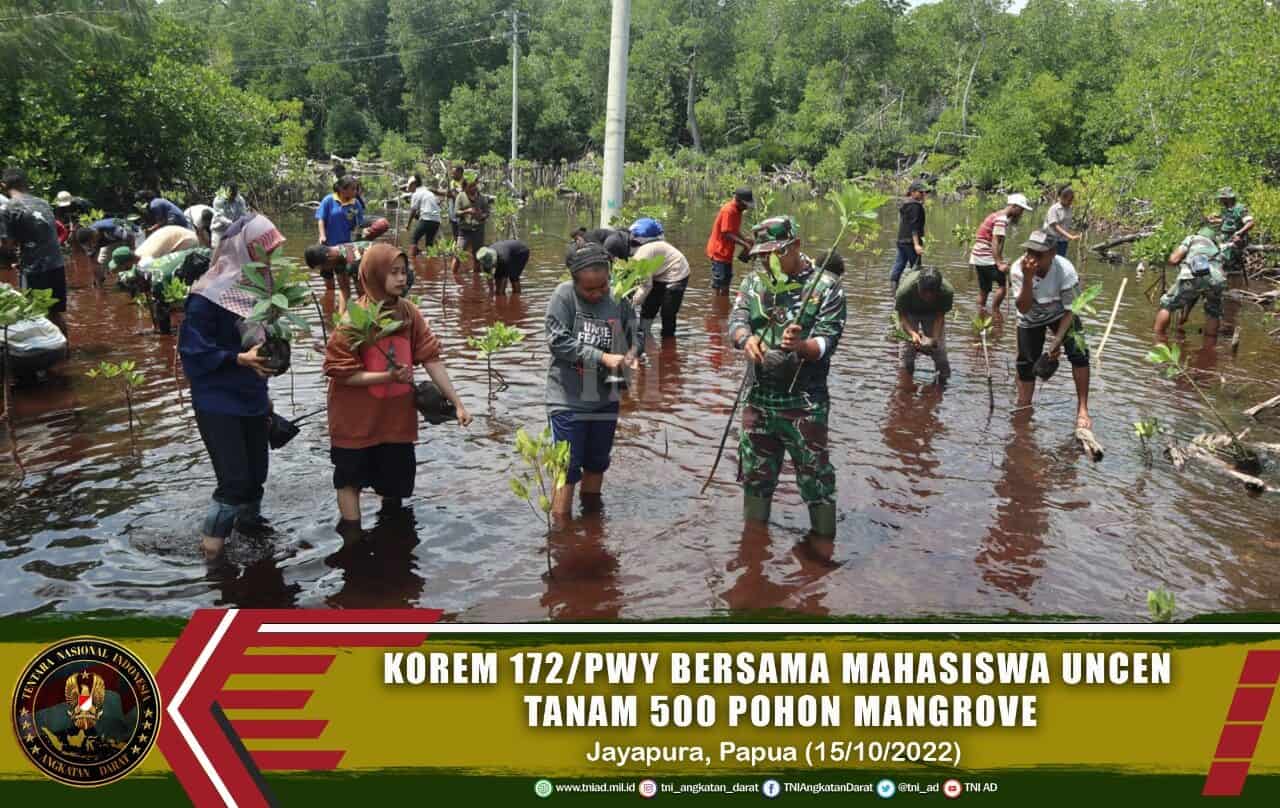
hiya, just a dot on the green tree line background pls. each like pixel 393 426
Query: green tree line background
pixel 1145 105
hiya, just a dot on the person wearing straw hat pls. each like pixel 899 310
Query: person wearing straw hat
pixel 1043 285
pixel 987 257
pixel 786 410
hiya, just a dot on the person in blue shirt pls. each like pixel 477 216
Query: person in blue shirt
pixel 339 219
pixel 159 212
pixel 228 382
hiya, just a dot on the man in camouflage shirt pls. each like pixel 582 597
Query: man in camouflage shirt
pixel 1199 263
pixel 788 318
pixel 1234 224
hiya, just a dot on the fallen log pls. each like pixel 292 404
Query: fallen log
pixel 1089 443
pixel 1262 248
pixel 1253 411
pixel 1105 246
pixel 1177 455
pixel 1216 463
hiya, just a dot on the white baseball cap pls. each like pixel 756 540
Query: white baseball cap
pixel 1020 200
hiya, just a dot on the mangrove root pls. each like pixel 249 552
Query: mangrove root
pixel 1105 246
pixel 1253 411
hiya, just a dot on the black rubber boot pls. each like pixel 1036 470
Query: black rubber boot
pixel 822 519
pixel 756 509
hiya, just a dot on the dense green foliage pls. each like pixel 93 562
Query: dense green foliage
pixel 1161 100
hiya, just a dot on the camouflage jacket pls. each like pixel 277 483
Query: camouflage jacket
pixel 818 305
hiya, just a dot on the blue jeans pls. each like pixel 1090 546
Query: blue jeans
pixel 721 275
pixel 590 436
pixel 1062 248
pixel 907 259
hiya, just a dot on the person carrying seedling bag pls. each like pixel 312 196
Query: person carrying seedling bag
pixel 373 423
pixel 788 318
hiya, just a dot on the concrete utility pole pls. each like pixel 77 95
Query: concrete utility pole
pixel 515 79
pixel 615 120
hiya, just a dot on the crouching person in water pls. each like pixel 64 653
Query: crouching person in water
pixel 789 338
pixel 1199 262
pixel 592 339
pixel 229 383
pixel 921 303
pixel 373 422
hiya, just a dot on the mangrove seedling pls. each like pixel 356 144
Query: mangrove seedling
pixel 981 325
pixel 494 339
pixel 960 235
pixel 175 292
pixel 628 276
pixel 1146 431
pixel 504 211
pixel 17 307
pixel 365 325
pixel 547 463
pixel 1082 305
pixel 1169 359
pixel 859 216
pixel 1161 603
pixel 129 377
pixel 276 292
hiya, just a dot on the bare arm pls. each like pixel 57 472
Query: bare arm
pixel 1025 299
pixel 1177 255
pixel 1064 325
pixel 367 378
pixel 436 370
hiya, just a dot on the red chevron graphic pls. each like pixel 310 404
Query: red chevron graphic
pixel 207 752
pixel 1240 732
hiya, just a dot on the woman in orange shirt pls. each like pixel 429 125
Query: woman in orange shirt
pixel 373 423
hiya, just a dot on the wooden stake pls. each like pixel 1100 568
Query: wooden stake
pixel 1115 308
pixel 1253 411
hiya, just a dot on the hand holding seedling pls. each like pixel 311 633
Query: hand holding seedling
pixel 252 360
pixel 401 374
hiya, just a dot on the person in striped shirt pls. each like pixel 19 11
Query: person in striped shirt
pixel 987 257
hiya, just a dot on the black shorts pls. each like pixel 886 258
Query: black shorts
pixel 388 468
pixel 989 276
pixel 471 240
pixel 511 270
pixel 55 280
pixel 425 229
pixel 1031 345
pixel 346 271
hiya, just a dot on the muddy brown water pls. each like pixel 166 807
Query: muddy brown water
pixel 943 508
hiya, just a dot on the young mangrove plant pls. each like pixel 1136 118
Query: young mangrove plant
pixel 628 276
pixel 494 339
pixel 276 293
pixel 504 211
pixel 129 379
pixel 1082 305
pixel 1161 604
pixel 1146 431
pixel 1169 359
pixel 365 325
pixel 17 307
pixel 547 468
pixel 981 325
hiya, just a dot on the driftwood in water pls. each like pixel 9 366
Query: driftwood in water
pixel 1253 411
pixel 1106 246
pixel 1089 443
pixel 1203 450
pixel 1264 299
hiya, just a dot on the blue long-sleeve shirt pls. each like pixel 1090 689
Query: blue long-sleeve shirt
pixel 209 342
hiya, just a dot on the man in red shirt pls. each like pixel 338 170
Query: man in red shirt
pixel 725 233
pixel 987 258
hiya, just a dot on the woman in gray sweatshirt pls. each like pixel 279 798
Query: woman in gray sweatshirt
pixel 591 338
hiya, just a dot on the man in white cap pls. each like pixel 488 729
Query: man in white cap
pixel 1044 284
pixel 987 257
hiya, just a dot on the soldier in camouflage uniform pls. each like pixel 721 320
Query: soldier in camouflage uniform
pixel 1199 263
pixel 788 318
pixel 1234 224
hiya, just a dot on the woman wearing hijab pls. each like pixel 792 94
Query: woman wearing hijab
pixel 373 422
pixel 228 381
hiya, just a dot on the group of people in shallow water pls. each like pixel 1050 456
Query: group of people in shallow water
pixel 787 318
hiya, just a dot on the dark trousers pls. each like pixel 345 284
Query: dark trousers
pixel 425 230
pixel 237 447
pixel 907 258
pixel 666 298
